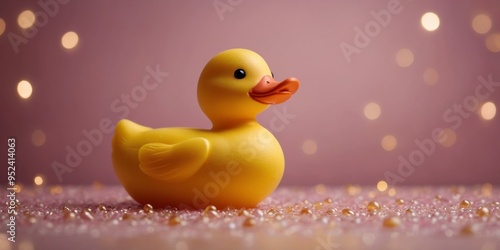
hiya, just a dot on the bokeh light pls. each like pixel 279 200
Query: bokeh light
pixel 493 42
pixel 320 189
pixel 2 26
pixel 392 192
pixel 38 180
pixel 431 76
pixel 17 189
pixel 447 137
pixel 4 242
pixel 382 186
pixel 24 89
pixel 353 189
pixel 309 147
pixel 38 138
pixel 69 40
pixel 26 245
pixel 486 189
pixel 389 142
pixel 26 19
pixel 404 57
pixel 481 23
pixel 372 111
pixel 488 111
pixel 430 21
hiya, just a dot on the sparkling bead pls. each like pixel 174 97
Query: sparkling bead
pixel 279 216
pixel 126 216
pixel 330 211
pixel 465 204
pixel 347 212
pixel 297 206
pixel 328 201
pixel 400 201
pixel 69 216
pixel 469 229
pixel 102 208
pixel 243 212
pixel 258 213
pixel 373 206
pixel 271 212
pixel 174 220
pixel 210 208
pixel 391 221
pixel 147 208
pixel 211 214
pixel 482 212
pixel 249 222
pixel 305 211
pixel 32 219
pixel 317 205
pixel 86 215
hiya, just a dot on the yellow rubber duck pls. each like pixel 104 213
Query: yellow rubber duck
pixel 237 163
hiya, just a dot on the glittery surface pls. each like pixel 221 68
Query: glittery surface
pixel 319 217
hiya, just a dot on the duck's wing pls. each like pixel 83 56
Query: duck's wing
pixel 173 162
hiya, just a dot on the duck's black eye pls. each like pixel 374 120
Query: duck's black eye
pixel 239 74
pixel 272 74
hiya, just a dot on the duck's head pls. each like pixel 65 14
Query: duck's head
pixel 237 84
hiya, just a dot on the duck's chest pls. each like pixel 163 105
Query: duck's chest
pixel 247 146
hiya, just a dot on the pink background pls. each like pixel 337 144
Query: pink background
pixel 73 89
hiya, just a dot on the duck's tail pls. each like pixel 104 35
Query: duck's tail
pixel 125 132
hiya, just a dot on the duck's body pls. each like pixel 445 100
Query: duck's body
pixel 237 163
pixel 245 161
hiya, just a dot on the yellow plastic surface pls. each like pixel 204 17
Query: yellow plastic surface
pixel 237 163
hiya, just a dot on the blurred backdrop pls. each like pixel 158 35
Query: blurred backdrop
pixel 404 92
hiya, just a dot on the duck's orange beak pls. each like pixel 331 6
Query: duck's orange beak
pixel 269 91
